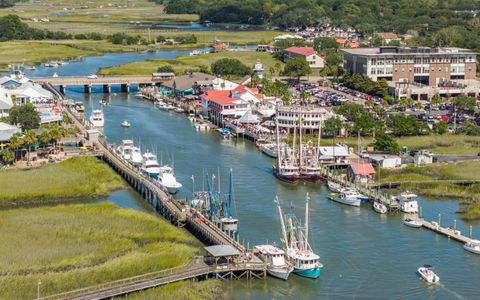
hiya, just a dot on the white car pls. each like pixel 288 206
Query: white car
pixel 93 76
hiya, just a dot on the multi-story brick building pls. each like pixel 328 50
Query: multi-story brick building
pixel 417 71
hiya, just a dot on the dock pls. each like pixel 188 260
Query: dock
pixel 448 232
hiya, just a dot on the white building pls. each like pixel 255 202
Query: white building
pixel 333 154
pixel 308 53
pixel 423 157
pixel 7 130
pixel 5 102
pixel 22 90
pixel 289 117
pixel 386 161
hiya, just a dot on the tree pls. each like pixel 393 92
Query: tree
pixel 325 43
pixel 297 67
pixel 230 66
pixel 29 139
pixel 24 116
pixel 7 156
pixel 44 137
pixel 166 69
pixel 381 87
pixel 465 103
pixel 204 69
pixel 402 125
pixel 332 125
pixel 441 127
pixel 387 143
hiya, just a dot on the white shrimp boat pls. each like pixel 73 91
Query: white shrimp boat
pixel 472 246
pixel 274 257
pixel 380 207
pixel 167 181
pixel 412 223
pixel 426 272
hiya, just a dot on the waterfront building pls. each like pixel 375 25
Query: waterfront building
pixel 196 83
pixel 5 102
pixel 7 131
pixel 22 90
pixel 308 53
pixel 289 117
pixel 162 77
pixel 333 155
pixel 221 104
pixel 361 172
pixel 417 72
pixel 385 161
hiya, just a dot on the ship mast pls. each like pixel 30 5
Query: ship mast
pixel 301 148
pixel 307 198
pixel 282 223
pixel 279 158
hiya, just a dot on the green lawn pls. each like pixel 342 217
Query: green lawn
pixel 69 247
pixel 184 63
pixel 75 178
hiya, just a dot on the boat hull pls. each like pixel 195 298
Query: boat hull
pixel 352 202
pixel 309 273
pixel 311 177
pixel 412 224
pixel 286 178
pixel 281 273
pixel 471 249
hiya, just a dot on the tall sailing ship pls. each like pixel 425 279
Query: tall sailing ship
pixel 295 238
pixel 286 168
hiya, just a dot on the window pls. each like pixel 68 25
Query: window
pixel 403 69
pixel 373 71
pixel 439 69
pixel 446 69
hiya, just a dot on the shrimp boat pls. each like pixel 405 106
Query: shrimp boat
pixel 295 238
pixel 274 257
pixel 472 246
pixel 426 272
pixel 380 207
pixel 286 168
pixel 166 179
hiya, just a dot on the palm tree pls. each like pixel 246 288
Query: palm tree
pixel 15 143
pixel 44 137
pixel 29 139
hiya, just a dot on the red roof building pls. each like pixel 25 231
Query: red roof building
pixel 361 172
pixel 308 53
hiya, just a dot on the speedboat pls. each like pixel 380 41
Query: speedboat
pixel 274 257
pixel 380 207
pixel 347 197
pixel 150 165
pixel 161 105
pixel 225 133
pixel 269 150
pixel 195 53
pixel 426 272
pixel 125 124
pixel 334 187
pixel 96 118
pixel 167 180
pixel 125 149
pixel 472 246
pixel 412 223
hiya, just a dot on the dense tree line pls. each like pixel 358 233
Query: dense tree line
pixel 9 3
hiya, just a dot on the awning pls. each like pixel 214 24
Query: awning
pixel 248 117
pixel 222 251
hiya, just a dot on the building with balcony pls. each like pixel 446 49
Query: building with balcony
pixel 417 72
pixel 289 118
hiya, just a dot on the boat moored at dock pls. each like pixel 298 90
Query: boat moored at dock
pixel 150 165
pixel 96 118
pixel 274 257
pixel 412 223
pixel 167 181
pixel 125 149
pixel 472 246
pixel 380 207
pixel 407 204
pixel 348 197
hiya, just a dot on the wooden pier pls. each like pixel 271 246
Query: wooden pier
pixel 448 232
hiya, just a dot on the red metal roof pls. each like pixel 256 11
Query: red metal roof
pixel 229 97
pixel 363 169
pixel 301 50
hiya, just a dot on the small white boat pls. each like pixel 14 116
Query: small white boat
pixel 126 124
pixel 407 204
pixel 167 180
pixel 139 95
pixel 380 207
pixel 426 272
pixel 125 149
pixel 150 165
pixel 334 187
pixel 195 53
pixel 274 257
pixel 346 197
pixel 161 105
pixel 55 75
pixel 269 150
pixel 136 157
pixel 191 117
pixel 473 246
pixel 96 118
pixel 179 110
pixel 412 223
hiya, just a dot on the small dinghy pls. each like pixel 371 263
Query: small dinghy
pixel 380 207
pixel 125 124
pixel 426 272
pixel 412 223
pixel 473 246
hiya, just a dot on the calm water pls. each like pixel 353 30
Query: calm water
pixel 366 255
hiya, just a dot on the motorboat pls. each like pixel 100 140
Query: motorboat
pixel 295 237
pixel 125 124
pixel 55 75
pixel 201 126
pixel 380 207
pixel 139 95
pixel 96 118
pixel 195 53
pixel 136 158
pixel 150 165
pixel 311 173
pixel 426 272
pixel 167 181
pixel 472 246
pixel 225 133
pixel 348 197
pixel 407 204
pixel 269 150
pixel 161 105
pixel 179 110
pixel 274 257
pixel 334 187
pixel 413 223
pixel 125 149
pixel 79 107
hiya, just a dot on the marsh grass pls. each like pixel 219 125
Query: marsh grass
pixel 184 290
pixel 69 247
pixel 74 178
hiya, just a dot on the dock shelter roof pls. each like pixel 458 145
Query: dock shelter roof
pixel 222 251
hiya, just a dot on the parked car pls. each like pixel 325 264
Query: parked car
pixel 93 76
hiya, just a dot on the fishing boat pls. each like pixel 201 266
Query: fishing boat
pixel 125 124
pixel 96 118
pixel 412 223
pixel 286 169
pixel 167 181
pixel 407 204
pixel 150 165
pixel 310 169
pixel 347 197
pixel 295 238
pixel 380 207
pixel 472 246
pixel 125 149
pixel 274 257
pixel 334 187
pixel 426 272
pixel 269 150
pixel 136 158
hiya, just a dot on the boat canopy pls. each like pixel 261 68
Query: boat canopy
pixel 428 266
